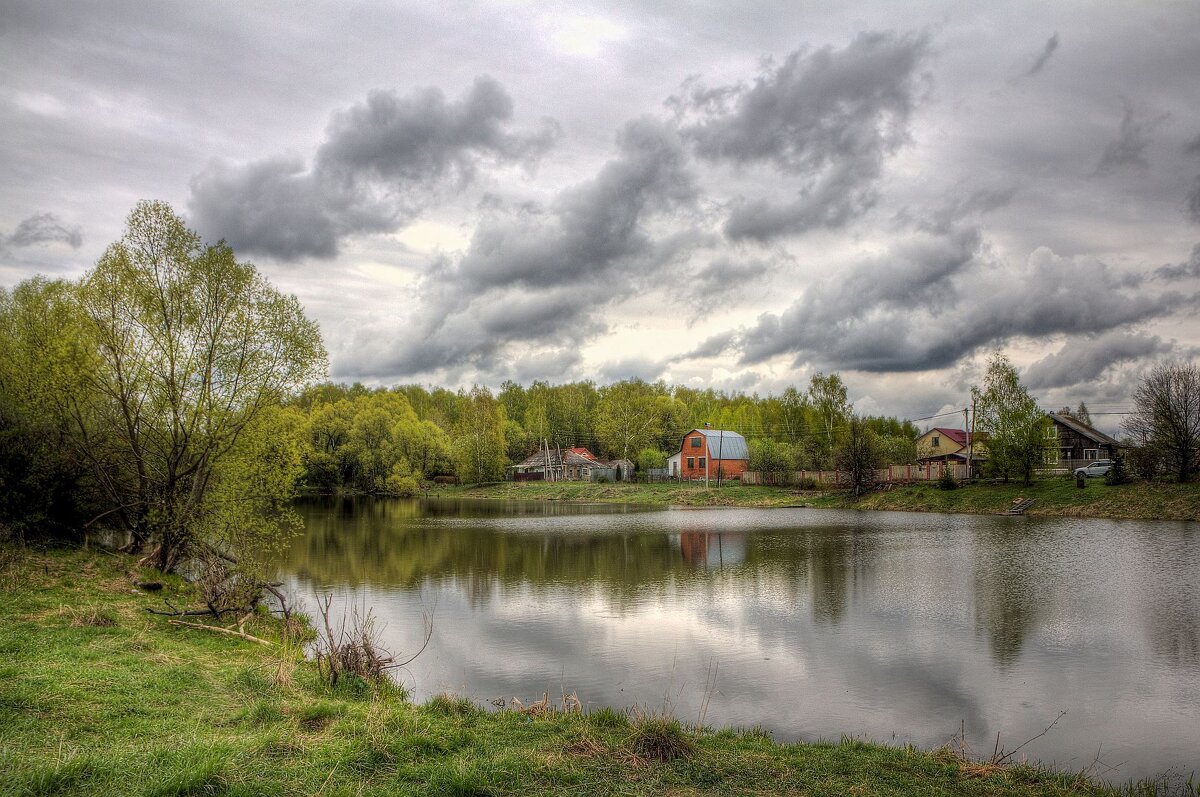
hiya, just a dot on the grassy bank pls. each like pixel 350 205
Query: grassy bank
pixel 1057 496
pixel 98 697
pixel 1052 497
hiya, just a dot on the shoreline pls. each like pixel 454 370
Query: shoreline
pixel 1051 497
pixel 100 696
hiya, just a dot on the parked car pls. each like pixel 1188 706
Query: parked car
pixel 1100 467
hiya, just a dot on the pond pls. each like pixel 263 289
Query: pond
pixel 893 627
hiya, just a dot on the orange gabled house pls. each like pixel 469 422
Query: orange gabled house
pixel 704 453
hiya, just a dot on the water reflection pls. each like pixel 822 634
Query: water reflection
pixel 821 622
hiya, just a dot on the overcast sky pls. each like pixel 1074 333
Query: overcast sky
pixel 730 194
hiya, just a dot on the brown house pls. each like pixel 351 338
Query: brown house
pixel 1072 443
pixel 706 452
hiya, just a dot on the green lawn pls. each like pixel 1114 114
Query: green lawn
pixel 1053 496
pixel 98 697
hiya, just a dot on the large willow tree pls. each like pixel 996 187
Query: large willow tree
pixel 193 352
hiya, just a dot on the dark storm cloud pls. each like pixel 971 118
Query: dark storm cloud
pixel 722 283
pixel 1047 51
pixel 380 162
pixel 1128 150
pixel 827 118
pixel 1180 271
pixel 934 299
pixel 1087 358
pixel 43 228
pixel 592 228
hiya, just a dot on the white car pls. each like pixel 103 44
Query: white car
pixel 1100 467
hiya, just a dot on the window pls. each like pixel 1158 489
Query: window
pixel 701 463
pixel 1051 431
pixel 691 463
pixel 1052 457
pixel 937 441
pixel 695 442
pixel 1091 453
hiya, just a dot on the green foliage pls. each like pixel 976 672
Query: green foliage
pixel 947 481
pixel 150 374
pixel 1009 418
pixel 649 458
pixel 1117 474
pixel 479 445
pixel 859 454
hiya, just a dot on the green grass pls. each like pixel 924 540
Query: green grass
pixel 1053 496
pixel 133 706
pixel 1057 497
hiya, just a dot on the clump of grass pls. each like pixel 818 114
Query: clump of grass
pixel 543 707
pixel 318 716
pixel 659 738
pixel 261 712
pixel 448 705
pixel 93 617
pixel 608 718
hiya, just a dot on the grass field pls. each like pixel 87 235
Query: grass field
pixel 97 697
pixel 1052 496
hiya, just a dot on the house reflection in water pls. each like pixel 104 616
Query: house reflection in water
pixel 712 549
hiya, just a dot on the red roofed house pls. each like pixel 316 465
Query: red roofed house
pixel 940 445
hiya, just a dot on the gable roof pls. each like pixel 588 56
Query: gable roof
pixel 722 444
pixel 957 435
pixel 569 457
pixel 1081 428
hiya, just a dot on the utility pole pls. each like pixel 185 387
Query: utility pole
pixel 969 423
pixel 720 451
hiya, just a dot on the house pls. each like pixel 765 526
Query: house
pixel 1072 443
pixel 673 463
pixel 950 445
pixel 568 464
pixel 940 444
pixel 713 453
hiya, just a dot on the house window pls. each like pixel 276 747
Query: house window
pixel 691 463
pixel 937 441
pixel 1091 453
pixel 1051 457
pixel 1051 431
pixel 701 463
pixel 695 442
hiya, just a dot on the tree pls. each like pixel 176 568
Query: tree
pixel 628 418
pixel 771 458
pixel 1082 415
pixel 827 395
pixel 1166 415
pixel 479 438
pixel 191 348
pixel 1014 425
pixel 650 458
pixel 858 454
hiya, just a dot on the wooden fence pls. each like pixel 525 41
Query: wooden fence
pixel 896 474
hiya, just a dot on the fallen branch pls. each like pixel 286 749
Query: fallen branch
pixel 219 630
pixel 1006 756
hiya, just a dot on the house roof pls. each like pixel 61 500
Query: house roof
pixel 1081 428
pixel 569 457
pixel 722 443
pixel 957 435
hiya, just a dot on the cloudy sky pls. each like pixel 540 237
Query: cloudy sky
pixel 725 194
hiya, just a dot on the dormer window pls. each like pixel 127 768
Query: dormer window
pixel 937 441
pixel 695 442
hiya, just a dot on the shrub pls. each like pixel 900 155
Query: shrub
pixel 947 480
pixel 1117 474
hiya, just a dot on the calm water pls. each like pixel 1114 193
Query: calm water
pixel 894 627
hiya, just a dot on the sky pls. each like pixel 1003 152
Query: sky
pixel 727 195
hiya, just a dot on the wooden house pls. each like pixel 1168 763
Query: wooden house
pixel 1071 443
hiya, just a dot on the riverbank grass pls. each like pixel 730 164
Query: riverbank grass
pixel 1054 496
pixel 99 697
